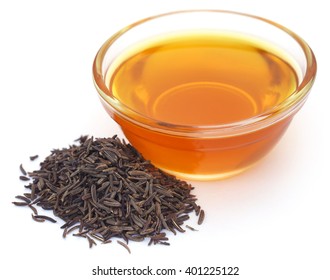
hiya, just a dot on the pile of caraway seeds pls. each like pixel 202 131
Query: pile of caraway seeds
pixel 103 188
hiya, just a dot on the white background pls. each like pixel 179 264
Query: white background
pixel 272 221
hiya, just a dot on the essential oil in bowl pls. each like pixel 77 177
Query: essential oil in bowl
pixel 201 79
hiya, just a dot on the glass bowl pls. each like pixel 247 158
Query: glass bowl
pixel 193 149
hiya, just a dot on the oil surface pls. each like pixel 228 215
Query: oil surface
pixel 202 79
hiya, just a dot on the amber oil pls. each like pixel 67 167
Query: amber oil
pixel 198 80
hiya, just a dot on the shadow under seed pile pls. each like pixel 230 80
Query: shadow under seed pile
pixel 104 188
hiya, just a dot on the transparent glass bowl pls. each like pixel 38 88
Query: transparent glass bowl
pixel 211 151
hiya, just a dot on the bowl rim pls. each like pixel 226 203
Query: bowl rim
pixel 287 107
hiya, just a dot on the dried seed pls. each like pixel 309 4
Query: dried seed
pixel 197 210
pixel 40 184
pixel 33 192
pixel 139 173
pixel 33 209
pixel 124 245
pixel 147 231
pixel 201 217
pixel 135 206
pixel 93 235
pixel 176 226
pixel 65 232
pixel 24 178
pixel 112 203
pixel 164 223
pixel 136 238
pixel 91 242
pixel 45 218
pixel 158 210
pixel 182 218
pixel 33 157
pixel 191 228
pixel 19 203
pixel 22 170
pixel 27 200
pixel 80 235
pixel 40 220
pixel 93 192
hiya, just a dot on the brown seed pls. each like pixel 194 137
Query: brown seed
pixel 93 192
pixel 40 184
pixel 71 229
pixel 124 245
pixel 91 242
pixel 136 238
pixel 21 197
pixel 176 226
pixel 39 220
pixel 191 228
pixel 33 157
pixel 112 203
pixel 45 218
pixel 24 178
pixel 22 170
pixel 182 218
pixel 80 235
pixel 135 206
pixel 65 232
pixel 33 192
pixel 197 210
pixel 99 238
pixel 19 203
pixel 147 231
pixel 201 217
pixel 33 209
